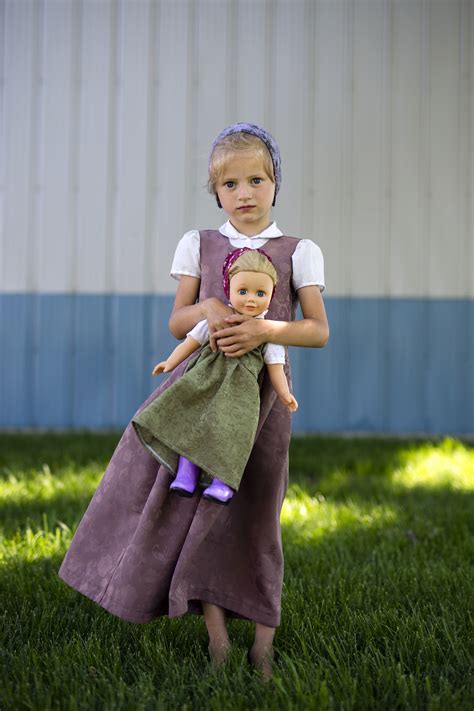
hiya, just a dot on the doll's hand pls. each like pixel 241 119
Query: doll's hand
pixel 290 401
pixel 241 334
pixel 162 367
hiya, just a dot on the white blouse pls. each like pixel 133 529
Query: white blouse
pixel 307 259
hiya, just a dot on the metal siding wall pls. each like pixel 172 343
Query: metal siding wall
pixel 108 110
pixel 95 191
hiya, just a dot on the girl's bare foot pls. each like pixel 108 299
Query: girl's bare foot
pixel 219 653
pixel 262 660
pixel 219 642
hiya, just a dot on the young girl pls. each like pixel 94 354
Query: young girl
pixel 140 551
pixel 210 414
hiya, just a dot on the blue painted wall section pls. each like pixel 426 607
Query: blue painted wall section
pixel 391 365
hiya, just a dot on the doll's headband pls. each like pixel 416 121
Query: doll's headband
pixel 264 136
pixel 229 261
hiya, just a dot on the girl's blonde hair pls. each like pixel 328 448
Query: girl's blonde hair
pixel 236 143
pixel 253 261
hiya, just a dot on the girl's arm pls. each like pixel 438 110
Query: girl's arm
pixel 280 384
pixel 179 354
pixel 186 312
pixel 244 334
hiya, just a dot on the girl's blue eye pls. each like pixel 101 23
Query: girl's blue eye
pixel 229 184
pixel 258 180
pixel 260 293
pixel 242 292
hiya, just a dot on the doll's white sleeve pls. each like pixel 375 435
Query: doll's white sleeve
pixel 273 353
pixel 200 332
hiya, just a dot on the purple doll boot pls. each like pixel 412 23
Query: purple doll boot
pixel 218 491
pixel 186 478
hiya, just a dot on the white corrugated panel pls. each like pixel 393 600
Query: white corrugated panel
pixel 109 109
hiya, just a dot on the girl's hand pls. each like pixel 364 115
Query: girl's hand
pixel 162 367
pixel 290 401
pixel 215 312
pixel 240 335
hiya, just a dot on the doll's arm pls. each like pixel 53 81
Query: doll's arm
pixel 179 354
pixel 280 383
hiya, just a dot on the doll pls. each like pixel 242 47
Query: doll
pixel 207 419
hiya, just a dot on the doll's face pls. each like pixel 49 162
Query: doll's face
pixel 251 292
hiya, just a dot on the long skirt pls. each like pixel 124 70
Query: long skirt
pixel 141 551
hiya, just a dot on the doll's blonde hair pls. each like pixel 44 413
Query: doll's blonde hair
pixel 237 143
pixel 253 261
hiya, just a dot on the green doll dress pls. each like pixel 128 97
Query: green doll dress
pixel 209 415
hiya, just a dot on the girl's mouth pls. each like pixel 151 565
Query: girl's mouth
pixel 246 207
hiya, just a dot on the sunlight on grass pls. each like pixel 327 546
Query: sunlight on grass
pixel 43 485
pixel 42 536
pixel 448 464
pixel 35 545
pixel 318 516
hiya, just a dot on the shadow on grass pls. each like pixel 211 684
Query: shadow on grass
pixel 59 451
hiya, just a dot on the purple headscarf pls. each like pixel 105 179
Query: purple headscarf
pixel 264 136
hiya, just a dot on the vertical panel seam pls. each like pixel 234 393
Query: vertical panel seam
pixel 37 224
pixel 192 70
pixel 35 192
pixel 425 196
pixel 347 167
pixel 232 54
pixel 271 10
pixel 465 184
pixel 385 222
pixel 152 196
pixel 77 18
pixel 115 103
pixel 3 142
pixel 311 192
pixel 152 118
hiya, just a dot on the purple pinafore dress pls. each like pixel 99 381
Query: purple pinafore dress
pixel 141 551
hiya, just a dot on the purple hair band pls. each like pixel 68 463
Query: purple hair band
pixel 230 259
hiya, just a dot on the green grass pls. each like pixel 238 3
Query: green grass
pixel 376 608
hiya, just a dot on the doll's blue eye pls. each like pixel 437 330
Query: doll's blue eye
pixel 242 292
pixel 260 293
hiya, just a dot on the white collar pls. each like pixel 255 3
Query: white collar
pixel 228 230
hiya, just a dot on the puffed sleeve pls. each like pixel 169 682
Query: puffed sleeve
pixel 308 265
pixel 187 256
pixel 273 353
pixel 200 332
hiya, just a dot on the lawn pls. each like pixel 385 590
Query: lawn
pixel 377 601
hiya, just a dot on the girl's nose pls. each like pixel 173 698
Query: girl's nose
pixel 245 191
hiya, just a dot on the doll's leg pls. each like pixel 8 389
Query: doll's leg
pixel 261 655
pixel 218 491
pixel 186 478
pixel 219 643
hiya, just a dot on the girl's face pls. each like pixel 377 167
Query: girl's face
pixel 246 193
pixel 251 292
